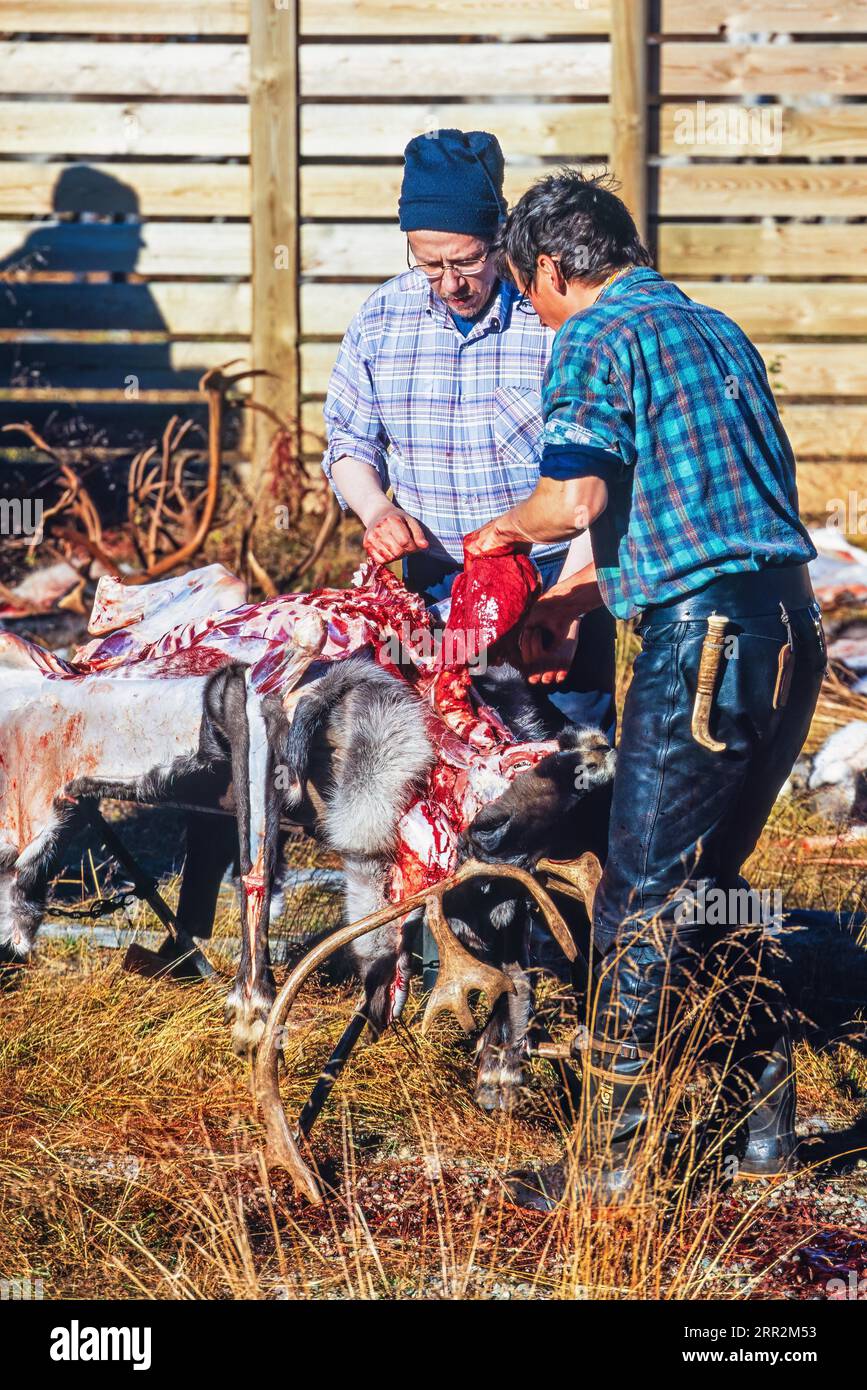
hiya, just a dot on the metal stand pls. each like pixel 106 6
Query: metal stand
pixel 189 962
pixel 430 959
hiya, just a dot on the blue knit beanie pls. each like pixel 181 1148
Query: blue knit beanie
pixel 453 182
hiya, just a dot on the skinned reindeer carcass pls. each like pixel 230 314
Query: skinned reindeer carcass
pixel 162 706
pixel 359 746
pixel 387 783
pixel 187 691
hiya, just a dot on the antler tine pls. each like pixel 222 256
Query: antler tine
pixel 459 972
pixel 553 918
pixel 582 875
pixel 281 1148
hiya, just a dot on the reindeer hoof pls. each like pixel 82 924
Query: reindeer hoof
pixel 502 1080
pixel 248 1016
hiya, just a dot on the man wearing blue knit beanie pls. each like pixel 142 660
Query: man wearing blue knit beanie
pixel 436 397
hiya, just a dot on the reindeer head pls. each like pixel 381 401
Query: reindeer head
pixel 558 808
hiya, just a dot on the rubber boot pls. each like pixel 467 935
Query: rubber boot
pixel 770 1149
pixel 601 1160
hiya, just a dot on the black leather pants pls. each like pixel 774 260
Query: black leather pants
pixel 683 815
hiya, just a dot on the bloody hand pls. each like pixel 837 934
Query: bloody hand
pixel 392 534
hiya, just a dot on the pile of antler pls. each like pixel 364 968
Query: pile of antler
pixel 171 506
pixel 460 974
pixel 162 506
pixel 75 501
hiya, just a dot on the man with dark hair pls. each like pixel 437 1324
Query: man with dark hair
pixel 662 437
pixel 436 398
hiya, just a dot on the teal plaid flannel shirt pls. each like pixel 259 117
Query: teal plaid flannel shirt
pixel 670 402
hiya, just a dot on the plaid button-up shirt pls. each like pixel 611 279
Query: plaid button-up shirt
pixel 452 424
pixel 669 401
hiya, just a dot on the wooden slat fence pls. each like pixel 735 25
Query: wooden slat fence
pixel 143 233
pixel 760 202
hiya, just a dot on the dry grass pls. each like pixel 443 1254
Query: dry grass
pixel 130 1159
pixel 130 1165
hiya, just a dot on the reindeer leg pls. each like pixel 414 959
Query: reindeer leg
pixel 19 919
pixel 211 846
pixel 503 1048
pixel 24 882
pixel 252 994
pixel 382 958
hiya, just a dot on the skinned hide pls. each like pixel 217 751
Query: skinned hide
pixel 127 711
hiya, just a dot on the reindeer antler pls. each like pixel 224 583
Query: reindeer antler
pixel 460 975
pixel 577 878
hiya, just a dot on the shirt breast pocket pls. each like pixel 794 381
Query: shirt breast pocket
pixel 518 433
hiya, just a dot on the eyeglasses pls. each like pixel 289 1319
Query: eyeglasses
pixel 524 304
pixel 436 272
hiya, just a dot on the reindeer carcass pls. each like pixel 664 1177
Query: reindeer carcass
pixel 186 688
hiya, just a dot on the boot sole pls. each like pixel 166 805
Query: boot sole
pixel 785 1170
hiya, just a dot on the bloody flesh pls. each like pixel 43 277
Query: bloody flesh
pixel 155 646
pixel 489 600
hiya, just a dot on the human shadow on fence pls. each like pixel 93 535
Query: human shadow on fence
pixel 71 315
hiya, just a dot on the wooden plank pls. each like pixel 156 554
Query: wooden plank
pixel 125 426
pixel 313 424
pixel 129 128
pixel 816 369
pixel 79 395
pixel 339 192
pixel 317 359
pixel 705 69
pixel 508 18
pixel 780 16
pixel 827 431
pixel 768 311
pixel 327 309
pixel 815 431
pixel 720 129
pixel 149 248
pixel 803 249
pixel 96 365
pixel 325 17
pixel 162 307
pixel 338 17
pixel 534 129
pixel 444 69
pixel 124 69
pixel 330 248
pixel 629 105
pixel 820 485
pixel 761 190
pixel 274 175
pixel 108 17
pixel 32 189
pixel 781 310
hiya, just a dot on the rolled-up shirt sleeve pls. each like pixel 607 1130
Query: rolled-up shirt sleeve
pixel 352 421
pixel 589 424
